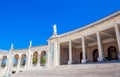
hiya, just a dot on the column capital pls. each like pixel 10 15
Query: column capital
pixel 116 26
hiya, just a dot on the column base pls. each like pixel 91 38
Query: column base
pixel 56 64
pixel 83 61
pixel 48 65
pixel 29 66
pixel 38 65
pixel 69 62
pixel 100 59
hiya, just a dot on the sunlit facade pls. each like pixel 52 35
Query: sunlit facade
pixel 94 43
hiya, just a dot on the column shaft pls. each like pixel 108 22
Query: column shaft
pixel 83 50
pixel 100 49
pixel 38 62
pixel 117 31
pixel 49 55
pixel 29 60
pixel 70 52
pixel 19 62
pixel 0 62
pixel 56 53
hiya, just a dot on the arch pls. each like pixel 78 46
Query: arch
pixel 35 58
pixel 15 61
pixel 112 53
pixel 4 61
pixel 95 55
pixel 23 60
pixel 43 58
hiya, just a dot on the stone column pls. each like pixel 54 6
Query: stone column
pixel 117 31
pixel 28 60
pixel 56 53
pixel 31 62
pixel 70 52
pixel 29 57
pixel 19 62
pixel 0 62
pixel 83 50
pixel 49 55
pixel 100 49
pixel 38 62
pixel 9 65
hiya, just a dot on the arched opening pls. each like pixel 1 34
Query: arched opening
pixel 4 61
pixel 80 57
pixel 43 58
pixel 112 53
pixel 95 55
pixel 15 61
pixel 35 58
pixel 23 60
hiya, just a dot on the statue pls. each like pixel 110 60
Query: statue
pixel 12 46
pixel 30 44
pixel 55 29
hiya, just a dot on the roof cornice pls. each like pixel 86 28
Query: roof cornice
pixel 92 24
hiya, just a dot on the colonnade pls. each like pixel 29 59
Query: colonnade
pixel 99 44
pixel 98 39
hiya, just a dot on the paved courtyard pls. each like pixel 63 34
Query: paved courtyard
pixel 82 70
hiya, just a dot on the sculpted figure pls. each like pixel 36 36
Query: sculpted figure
pixel 55 29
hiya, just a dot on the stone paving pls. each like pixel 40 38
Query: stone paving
pixel 81 70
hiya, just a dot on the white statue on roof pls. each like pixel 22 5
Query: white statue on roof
pixel 30 44
pixel 12 46
pixel 55 29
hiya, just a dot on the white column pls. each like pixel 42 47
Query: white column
pixel 56 53
pixel 9 64
pixel 83 51
pixel 31 62
pixel 38 62
pixel 29 57
pixel 48 56
pixel 70 52
pixel 100 49
pixel 117 31
pixel 0 62
pixel 19 62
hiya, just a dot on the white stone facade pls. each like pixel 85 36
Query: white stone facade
pixel 96 42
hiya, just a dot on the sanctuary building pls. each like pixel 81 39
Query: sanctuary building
pixel 94 43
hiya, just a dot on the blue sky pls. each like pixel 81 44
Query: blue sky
pixel 25 20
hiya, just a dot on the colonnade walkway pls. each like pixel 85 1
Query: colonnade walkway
pixel 79 70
